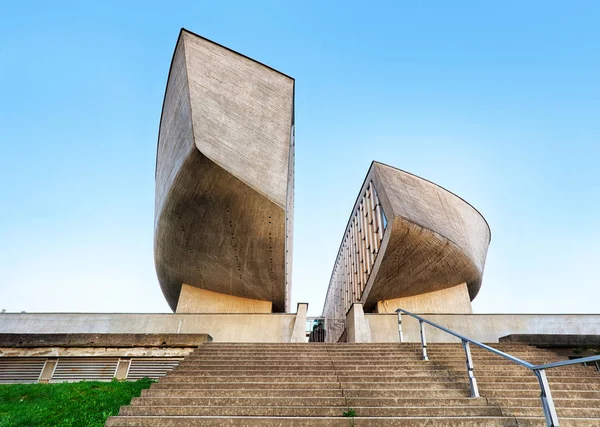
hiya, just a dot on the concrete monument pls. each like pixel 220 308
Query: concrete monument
pixel 224 182
pixel 409 243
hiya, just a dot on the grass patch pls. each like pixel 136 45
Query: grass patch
pixel 82 404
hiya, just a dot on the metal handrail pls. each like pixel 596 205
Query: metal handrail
pixel 538 370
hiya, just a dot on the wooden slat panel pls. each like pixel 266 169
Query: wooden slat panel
pixel 357 254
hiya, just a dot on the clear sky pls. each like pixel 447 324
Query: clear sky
pixel 497 101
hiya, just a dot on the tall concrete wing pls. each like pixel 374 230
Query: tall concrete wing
pixel 224 181
pixel 409 244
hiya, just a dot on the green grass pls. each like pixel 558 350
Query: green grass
pixel 83 404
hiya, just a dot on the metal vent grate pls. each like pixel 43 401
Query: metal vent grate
pixel 85 368
pixel 151 367
pixel 20 370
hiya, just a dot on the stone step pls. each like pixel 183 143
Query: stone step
pixel 377 397
pixel 565 394
pixel 405 382
pixel 291 392
pixel 564 422
pixel 296 393
pixel 363 355
pixel 241 379
pixel 416 352
pixel 372 361
pixel 394 382
pixel 336 411
pixel 516 368
pixel 364 349
pixel 296 373
pixel 399 398
pixel 535 402
pixel 172 392
pixel 360 347
pixel 252 386
pixel 389 345
pixel 554 384
pixel 481 374
pixel 553 379
pixel 455 369
pixel 363 398
pixel 561 412
pixel 401 393
pixel 266 363
pixel 192 421
pixel 408 374
pixel 399 390
pixel 185 399
pixel 489 389
pixel 317 411
pixel 535 386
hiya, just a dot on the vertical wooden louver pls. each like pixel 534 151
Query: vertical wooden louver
pixel 357 254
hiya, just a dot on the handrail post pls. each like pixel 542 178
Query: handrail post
pixel 400 326
pixel 423 340
pixel 470 370
pixel 546 398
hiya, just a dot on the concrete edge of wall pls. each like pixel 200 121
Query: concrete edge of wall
pixel 553 340
pixel 29 340
pixel 487 328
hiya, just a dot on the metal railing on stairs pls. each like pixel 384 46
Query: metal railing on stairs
pixel 538 370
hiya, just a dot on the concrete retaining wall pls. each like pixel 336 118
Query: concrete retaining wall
pixel 221 327
pixel 482 327
pixel 280 327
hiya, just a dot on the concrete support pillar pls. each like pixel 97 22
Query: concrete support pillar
pixel 454 300
pixel 299 331
pixel 357 328
pixel 196 300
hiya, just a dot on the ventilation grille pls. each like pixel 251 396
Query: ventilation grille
pixel 152 368
pixel 20 370
pixel 85 368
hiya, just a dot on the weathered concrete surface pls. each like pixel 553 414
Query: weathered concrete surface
pixel 432 241
pixel 357 328
pixel 312 385
pixel 224 175
pixel 436 239
pixel 482 327
pixel 553 340
pixel 450 300
pixel 196 300
pixel 221 327
pixel 95 351
pixel 299 331
pixel 101 340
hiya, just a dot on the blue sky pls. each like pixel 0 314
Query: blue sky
pixel 498 102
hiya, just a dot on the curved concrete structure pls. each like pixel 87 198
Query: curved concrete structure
pixel 429 252
pixel 224 179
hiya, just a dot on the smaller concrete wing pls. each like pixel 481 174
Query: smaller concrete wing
pixel 409 243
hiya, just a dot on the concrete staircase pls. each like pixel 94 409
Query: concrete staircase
pixel 383 384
